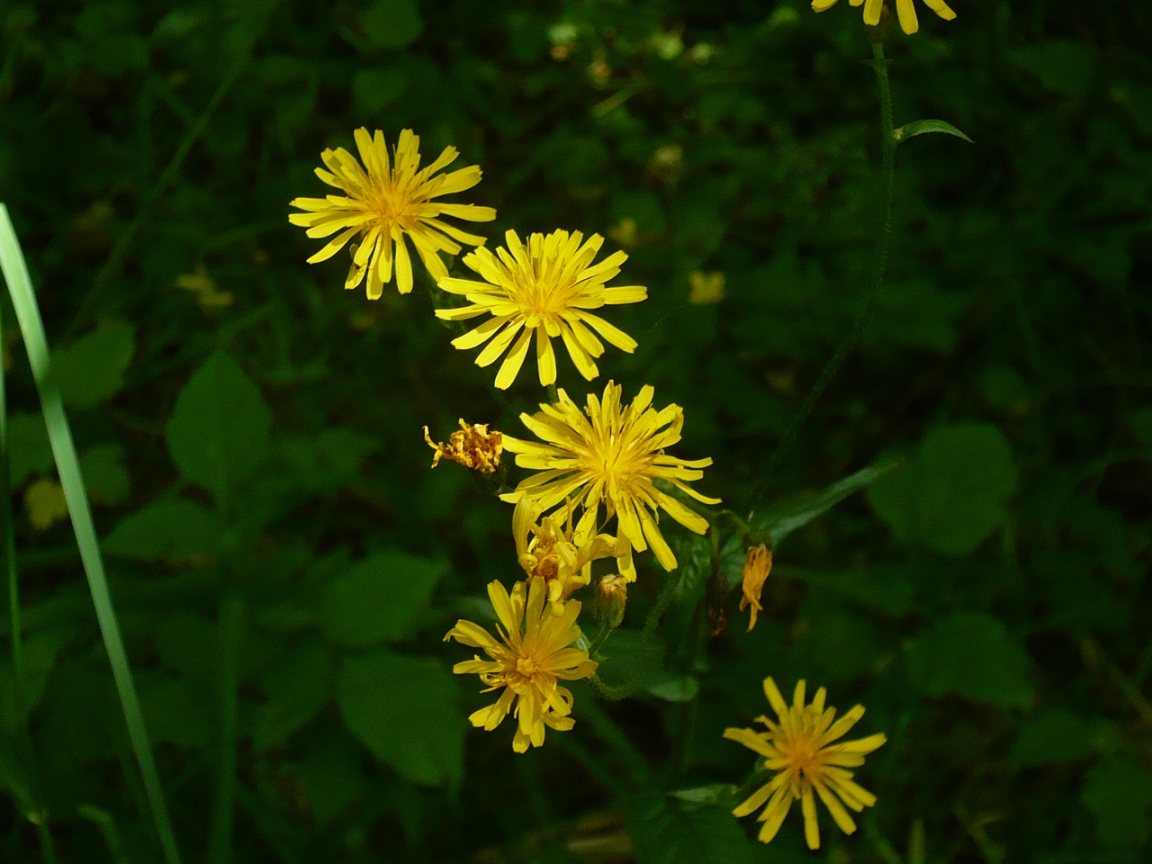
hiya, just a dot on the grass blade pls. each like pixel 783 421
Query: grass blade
pixel 68 466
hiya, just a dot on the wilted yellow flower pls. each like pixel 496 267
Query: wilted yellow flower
pixel 707 288
pixel 384 201
pixel 472 446
pixel 611 597
pixel 904 10
pixel 46 505
pixel 757 566
pixel 610 455
pixel 528 659
pixel 555 552
pixel 544 288
pixel 800 748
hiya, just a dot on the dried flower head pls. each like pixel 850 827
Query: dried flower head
pixel 472 446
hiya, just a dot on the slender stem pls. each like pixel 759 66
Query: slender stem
pixel 879 267
pixel 231 626
pixel 8 556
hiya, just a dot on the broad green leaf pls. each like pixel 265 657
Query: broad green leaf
pixel 629 660
pixel 28 447
pixel 105 476
pixel 1062 65
pixel 298 686
pixel 379 599
pixel 924 127
pixel 373 89
pixel 392 23
pixel 1118 792
pixel 950 495
pixel 674 831
pixel 972 655
pixel 405 710
pixel 187 643
pixel 838 645
pixel 218 431
pixel 332 776
pixel 673 687
pixel 1055 736
pixel 174 530
pixel 176 710
pixel 92 368
pixel 1141 422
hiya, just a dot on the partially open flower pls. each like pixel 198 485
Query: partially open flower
pixel 472 446
pixel 554 551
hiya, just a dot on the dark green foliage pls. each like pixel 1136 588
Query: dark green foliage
pixel 284 564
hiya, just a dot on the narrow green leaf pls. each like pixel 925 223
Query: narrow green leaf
pixel 923 127
pixel 68 466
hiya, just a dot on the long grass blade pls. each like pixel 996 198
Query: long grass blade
pixel 68 466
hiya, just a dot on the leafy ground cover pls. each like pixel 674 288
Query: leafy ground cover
pixel 284 565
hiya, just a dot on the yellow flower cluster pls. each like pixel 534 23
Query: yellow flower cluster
pixel 603 475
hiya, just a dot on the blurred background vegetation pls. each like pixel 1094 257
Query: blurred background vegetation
pixel 284 564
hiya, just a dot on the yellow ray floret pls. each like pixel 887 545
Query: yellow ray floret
pixel 611 456
pixel 905 11
pixel 544 288
pixel 800 748
pixel 531 654
pixel 385 201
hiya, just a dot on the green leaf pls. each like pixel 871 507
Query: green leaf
pixel 1055 736
pixel 29 449
pixel 1062 65
pixel 176 710
pixel 923 127
pixel 1141 422
pixel 105 475
pixel 971 654
pixel 673 831
pixel 392 23
pixel 92 368
pixel 373 89
pixel 717 795
pixel 40 651
pixel 379 599
pixel 187 643
pixel 218 431
pixel 404 709
pixel 629 660
pixel 673 687
pixel 950 496
pixel 332 777
pixel 298 686
pixel 1118 792
pixel 172 530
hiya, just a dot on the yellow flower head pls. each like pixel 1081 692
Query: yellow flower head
pixel 904 10
pixel 546 287
pixel 555 552
pixel 799 747
pixel 382 202
pixel 472 446
pixel 530 656
pixel 610 455
pixel 757 566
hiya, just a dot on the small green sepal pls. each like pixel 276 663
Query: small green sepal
pixel 922 127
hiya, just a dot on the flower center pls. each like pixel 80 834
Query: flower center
pixel 527 666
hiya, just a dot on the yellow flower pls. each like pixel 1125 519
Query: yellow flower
pixel 707 288
pixel 545 287
pixel 472 446
pixel 554 552
pixel 386 202
pixel 611 456
pixel 800 748
pixel 757 566
pixel 904 10
pixel 530 656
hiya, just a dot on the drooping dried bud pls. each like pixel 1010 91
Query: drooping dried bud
pixel 472 446
pixel 757 566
